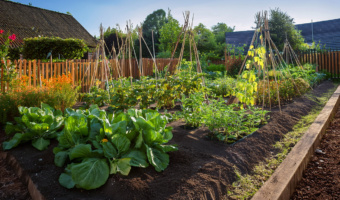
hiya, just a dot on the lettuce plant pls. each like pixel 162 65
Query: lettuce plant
pixel 37 125
pixel 95 145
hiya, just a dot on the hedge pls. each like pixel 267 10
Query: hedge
pixel 39 47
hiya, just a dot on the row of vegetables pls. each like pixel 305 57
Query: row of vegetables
pixel 93 144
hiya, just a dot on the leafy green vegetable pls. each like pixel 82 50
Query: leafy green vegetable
pixel 111 143
pixel 37 125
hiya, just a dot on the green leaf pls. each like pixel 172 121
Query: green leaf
pixel 13 142
pixel 139 140
pixel 119 127
pixel 121 165
pixel 121 142
pixel 91 173
pixel 157 158
pixel 109 150
pixel 166 148
pixel 66 181
pixel 80 151
pixel 60 158
pixel 138 158
pixel 40 143
pixel 10 128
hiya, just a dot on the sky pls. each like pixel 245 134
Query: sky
pixel 239 13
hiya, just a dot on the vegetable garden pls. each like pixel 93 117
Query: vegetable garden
pixel 131 138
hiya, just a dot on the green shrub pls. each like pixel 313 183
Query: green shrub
pixel 216 67
pixel 39 47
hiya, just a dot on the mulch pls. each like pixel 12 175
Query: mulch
pixel 321 179
pixel 200 169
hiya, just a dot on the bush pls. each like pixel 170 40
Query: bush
pixel 222 86
pixel 39 47
pixel 288 89
pixel 215 67
pixel 57 92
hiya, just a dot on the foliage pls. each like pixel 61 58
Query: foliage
pixel 56 91
pixel 152 23
pixel 216 67
pixel 226 122
pixel 205 39
pixel 168 34
pixel 246 88
pixel 191 109
pixel 122 95
pixel 113 39
pixel 96 145
pixel 288 89
pixel 219 31
pixel 8 69
pixel 282 25
pixel 163 90
pixel 96 96
pixel 223 86
pixel 35 125
pixel 40 47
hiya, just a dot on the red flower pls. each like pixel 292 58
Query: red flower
pixel 1 31
pixel 12 37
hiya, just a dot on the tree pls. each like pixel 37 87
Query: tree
pixel 112 37
pixel 205 41
pixel 219 31
pixel 168 35
pixel 280 25
pixel 153 22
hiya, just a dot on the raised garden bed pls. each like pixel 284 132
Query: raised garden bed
pixel 201 169
pixel 321 179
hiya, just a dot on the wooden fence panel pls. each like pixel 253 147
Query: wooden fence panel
pixel 326 60
pixel 86 72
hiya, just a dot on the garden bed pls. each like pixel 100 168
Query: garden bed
pixel 321 179
pixel 200 169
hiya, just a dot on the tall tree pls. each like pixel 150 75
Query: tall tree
pixel 219 31
pixel 153 23
pixel 169 35
pixel 280 25
pixel 113 39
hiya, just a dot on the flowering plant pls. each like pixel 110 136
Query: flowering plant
pixel 9 72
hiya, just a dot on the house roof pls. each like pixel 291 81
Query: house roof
pixel 325 32
pixel 27 21
pixel 239 38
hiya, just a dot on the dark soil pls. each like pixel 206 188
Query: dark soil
pixel 11 187
pixel 321 179
pixel 200 169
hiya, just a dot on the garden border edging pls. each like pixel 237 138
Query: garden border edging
pixel 32 188
pixel 284 180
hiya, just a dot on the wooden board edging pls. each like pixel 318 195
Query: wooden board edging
pixel 32 188
pixel 281 185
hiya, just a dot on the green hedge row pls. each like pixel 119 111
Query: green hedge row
pixel 39 47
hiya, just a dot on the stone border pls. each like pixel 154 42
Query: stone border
pixel 32 188
pixel 282 184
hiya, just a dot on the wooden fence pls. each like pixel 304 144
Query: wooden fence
pixel 325 60
pixel 229 61
pixel 85 72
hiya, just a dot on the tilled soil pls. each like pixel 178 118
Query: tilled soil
pixel 321 179
pixel 11 187
pixel 200 169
